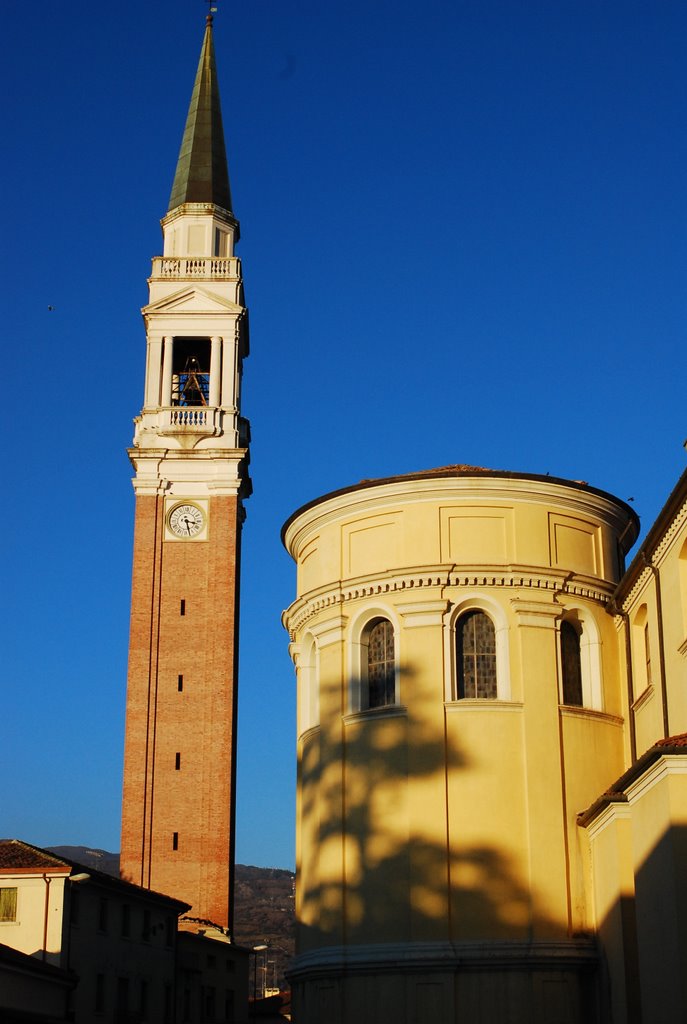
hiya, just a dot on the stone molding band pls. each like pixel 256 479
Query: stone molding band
pixel 297 614
pixel 401 957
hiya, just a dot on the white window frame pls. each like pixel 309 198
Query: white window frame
pixel 357 648
pixel 590 658
pixel 307 682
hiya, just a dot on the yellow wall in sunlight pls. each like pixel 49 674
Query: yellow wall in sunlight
pixel 436 824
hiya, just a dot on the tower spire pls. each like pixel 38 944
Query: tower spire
pixel 202 175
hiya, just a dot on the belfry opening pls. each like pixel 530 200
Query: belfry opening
pixel 191 371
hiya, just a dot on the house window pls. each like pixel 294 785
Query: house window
pixel 143 1002
pixel 102 915
pixel 476 656
pixel 571 664
pixel 8 904
pixel 99 993
pixel 175 840
pixel 74 904
pixel 168 1005
pixel 145 930
pixel 122 1008
pixel 126 920
pixel 381 665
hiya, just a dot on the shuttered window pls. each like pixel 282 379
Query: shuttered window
pixel 8 904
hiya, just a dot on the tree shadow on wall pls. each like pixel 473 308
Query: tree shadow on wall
pixel 381 860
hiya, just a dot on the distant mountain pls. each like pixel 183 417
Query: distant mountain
pixel 101 860
pixel 264 912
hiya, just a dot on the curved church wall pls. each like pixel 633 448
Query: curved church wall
pixel 438 621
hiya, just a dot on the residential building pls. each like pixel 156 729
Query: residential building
pixel 116 940
pixel 32 991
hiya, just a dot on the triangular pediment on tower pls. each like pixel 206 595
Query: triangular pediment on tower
pixel 192 300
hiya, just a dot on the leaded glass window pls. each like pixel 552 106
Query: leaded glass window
pixel 381 665
pixel 476 656
pixel 571 664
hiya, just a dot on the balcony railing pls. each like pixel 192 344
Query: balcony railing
pixel 194 421
pixel 191 417
pixel 207 267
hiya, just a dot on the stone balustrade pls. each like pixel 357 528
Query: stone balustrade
pixel 208 267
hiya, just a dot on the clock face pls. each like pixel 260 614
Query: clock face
pixel 186 520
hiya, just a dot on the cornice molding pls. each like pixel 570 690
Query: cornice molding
pixel 439 577
pixel 671 533
pixel 483 487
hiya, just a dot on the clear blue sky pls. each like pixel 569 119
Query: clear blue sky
pixel 464 240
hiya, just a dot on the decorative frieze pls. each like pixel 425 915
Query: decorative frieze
pixel 295 617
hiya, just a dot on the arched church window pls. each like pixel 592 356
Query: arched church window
pixel 381 664
pixel 641 651
pixel 476 656
pixel 571 664
pixel 682 570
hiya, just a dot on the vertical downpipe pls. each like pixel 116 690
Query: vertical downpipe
pixel 47 881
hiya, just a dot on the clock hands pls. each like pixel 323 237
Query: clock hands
pixel 186 521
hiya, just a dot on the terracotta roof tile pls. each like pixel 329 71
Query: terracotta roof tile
pixel 673 741
pixel 16 854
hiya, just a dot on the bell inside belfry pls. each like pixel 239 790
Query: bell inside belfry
pixel 191 371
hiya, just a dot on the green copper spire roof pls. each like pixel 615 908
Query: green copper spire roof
pixel 202 175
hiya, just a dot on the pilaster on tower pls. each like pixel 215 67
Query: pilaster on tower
pixel 190 456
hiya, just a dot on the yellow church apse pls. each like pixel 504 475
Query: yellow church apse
pixel 460 700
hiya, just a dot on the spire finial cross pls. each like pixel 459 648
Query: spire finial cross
pixel 212 9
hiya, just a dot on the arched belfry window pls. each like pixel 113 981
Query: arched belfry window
pixel 381 664
pixel 571 663
pixel 476 656
pixel 191 371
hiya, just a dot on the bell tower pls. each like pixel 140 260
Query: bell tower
pixel 190 456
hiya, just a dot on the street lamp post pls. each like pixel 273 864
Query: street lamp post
pixel 255 950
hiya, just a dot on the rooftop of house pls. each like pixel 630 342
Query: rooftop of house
pixel 617 792
pixel 18 856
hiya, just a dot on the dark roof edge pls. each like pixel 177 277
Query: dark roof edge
pixel 669 510
pixel 615 794
pixel 100 877
pixel 449 472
